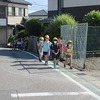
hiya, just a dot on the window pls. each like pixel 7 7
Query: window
pixel 11 11
pixel 16 11
pixel 2 12
pixel 21 12
pixel 25 12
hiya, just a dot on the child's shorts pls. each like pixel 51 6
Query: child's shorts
pixel 55 56
pixel 45 53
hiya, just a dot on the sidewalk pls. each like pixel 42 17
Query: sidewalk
pixel 89 75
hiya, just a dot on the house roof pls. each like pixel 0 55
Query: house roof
pixel 20 2
pixel 39 13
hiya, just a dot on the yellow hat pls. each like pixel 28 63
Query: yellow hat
pixel 41 38
pixel 47 36
pixel 55 39
pixel 70 41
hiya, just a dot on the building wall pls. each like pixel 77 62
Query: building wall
pixel 13 20
pixel 16 18
pixel 17 5
pixel 77 8
pixel 52 5
pixel 77 3
pixel 2 36
pixel 79 12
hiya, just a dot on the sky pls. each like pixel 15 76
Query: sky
pixel 37 5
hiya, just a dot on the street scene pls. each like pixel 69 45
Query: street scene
pixel 23 77
pixel 49 49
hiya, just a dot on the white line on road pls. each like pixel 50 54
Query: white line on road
pixel 21 95
pixel 74 81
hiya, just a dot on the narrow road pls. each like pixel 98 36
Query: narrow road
pixel 23 77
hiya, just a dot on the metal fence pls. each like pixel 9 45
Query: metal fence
pixel 78 34
pixel 93 41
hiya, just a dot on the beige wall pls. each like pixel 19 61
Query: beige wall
pixel 13 20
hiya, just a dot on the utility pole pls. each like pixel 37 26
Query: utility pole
pixel 6 22
pixel 60 6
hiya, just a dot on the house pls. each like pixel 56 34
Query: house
pixel 41 14
pixel 77 8
pixel 11 13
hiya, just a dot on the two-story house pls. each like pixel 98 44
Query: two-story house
pixel 77 8
pixel 11 13
pixel 41 14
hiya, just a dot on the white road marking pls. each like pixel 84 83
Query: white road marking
pixel 80 85
pixel 21 95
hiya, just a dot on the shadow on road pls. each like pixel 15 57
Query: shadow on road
pixel 15 54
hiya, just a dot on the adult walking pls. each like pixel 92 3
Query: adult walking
pixel 46 49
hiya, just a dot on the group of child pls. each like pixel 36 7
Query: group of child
pixel 47 48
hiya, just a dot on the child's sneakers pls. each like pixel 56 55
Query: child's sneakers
pixel 54 64
pixel 46 63
pixel 57 63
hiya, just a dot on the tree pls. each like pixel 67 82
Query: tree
pixel 92 18
pixel 54 28
pixel 22 34
pixel 33 27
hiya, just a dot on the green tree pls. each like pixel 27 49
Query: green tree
pixel 33 27
pixel 92 18
pixel 54 28
pixel 22 34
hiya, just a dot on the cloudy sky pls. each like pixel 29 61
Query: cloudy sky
pixel 38 5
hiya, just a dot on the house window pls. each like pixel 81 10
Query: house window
pixel 2 12
pixel 16 11
pixel 20 12
pixel 25 12
pixel 11 11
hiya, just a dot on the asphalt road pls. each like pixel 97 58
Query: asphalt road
pixel 23 77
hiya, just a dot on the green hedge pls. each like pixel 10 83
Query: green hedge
pixel 92 18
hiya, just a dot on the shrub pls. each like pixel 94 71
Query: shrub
pixel 92 18
pixel 54 28
pixel 33 27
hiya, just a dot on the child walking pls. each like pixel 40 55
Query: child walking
pixel 41 39
pixel 55 51
pixel 45 46
pixel 68 53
